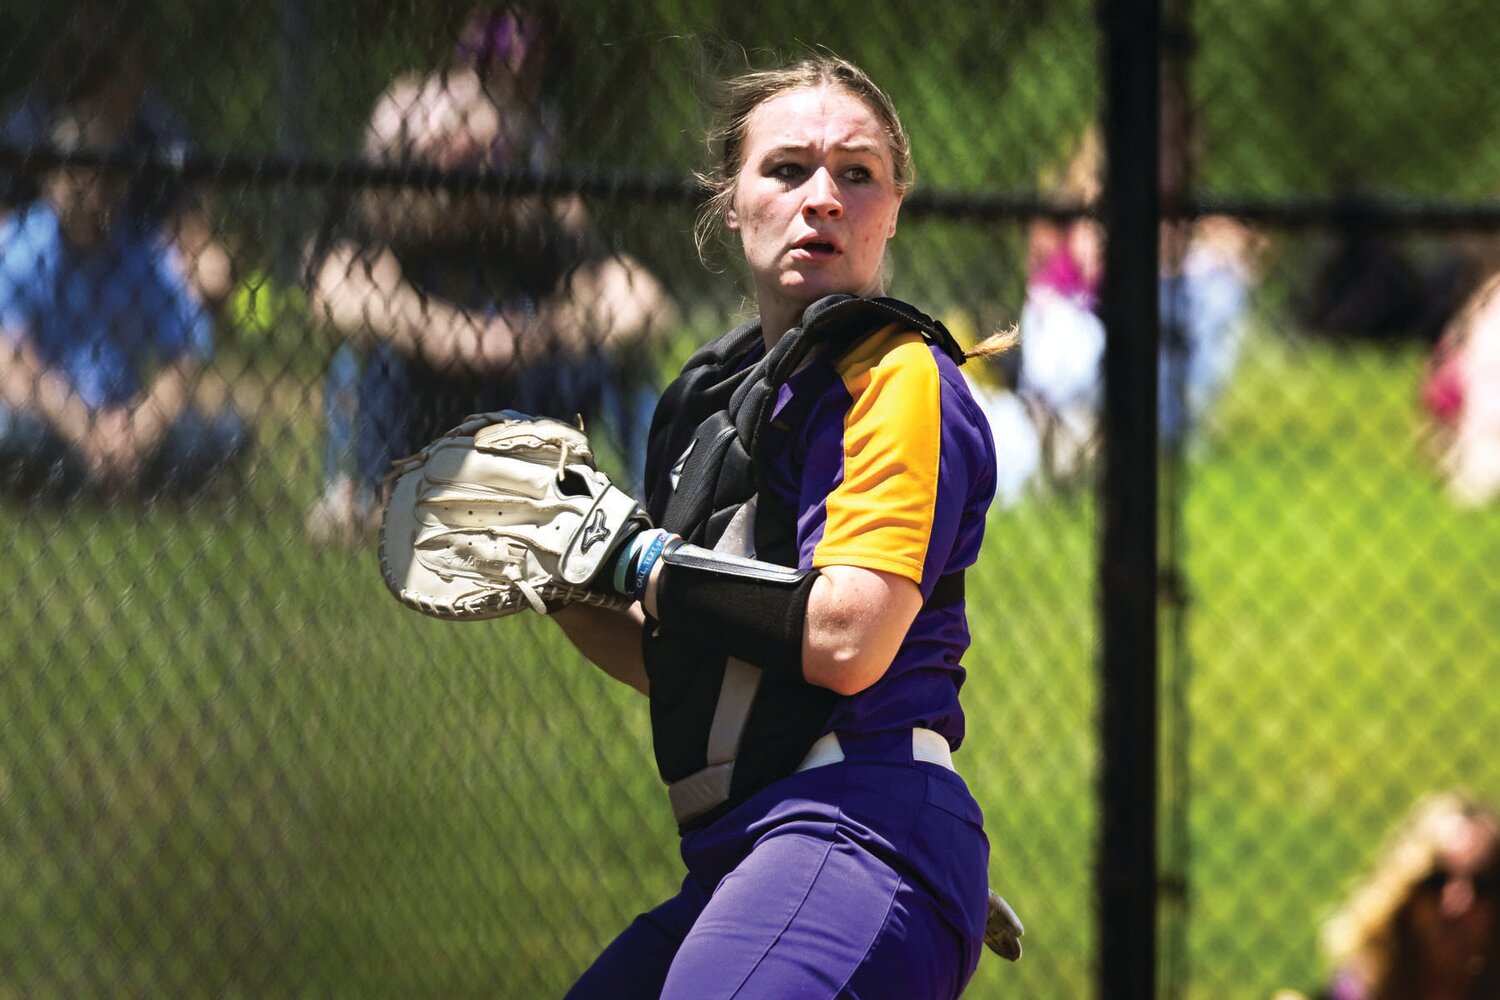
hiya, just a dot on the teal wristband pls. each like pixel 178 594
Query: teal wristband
pixel 647 560
pixel 621 577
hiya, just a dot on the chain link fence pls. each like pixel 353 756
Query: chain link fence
pixel 230 764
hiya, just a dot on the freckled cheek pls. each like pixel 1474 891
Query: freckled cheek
pixel 870 246
pixel 763 229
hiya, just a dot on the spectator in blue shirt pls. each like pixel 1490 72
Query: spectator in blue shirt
pixel 101 341
pixel 100 60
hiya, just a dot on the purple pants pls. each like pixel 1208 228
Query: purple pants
pixel 861 879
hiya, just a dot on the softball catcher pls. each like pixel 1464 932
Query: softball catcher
pixel 791 595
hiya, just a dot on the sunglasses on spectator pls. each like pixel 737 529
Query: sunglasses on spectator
pixel 1483 882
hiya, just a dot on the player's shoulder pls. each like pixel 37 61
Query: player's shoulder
pixel 898 353
pixel 917 378
pixel 29 231
pixel 403 90
pixel 894 349
pixel 401 107
pixel 30 241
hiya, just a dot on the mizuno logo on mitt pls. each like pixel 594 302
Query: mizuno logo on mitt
pixel 594 532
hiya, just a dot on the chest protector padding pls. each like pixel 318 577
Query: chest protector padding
pixel 702 468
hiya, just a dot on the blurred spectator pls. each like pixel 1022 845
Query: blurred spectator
pixel 1206 270
pixel 1204 296
pixel 1207 265
pixel 99 61
pixel 1368 285
pixel 1423 925
pixel 101 340
pixel 1062 338
pixel 1462 394
pixel 474 301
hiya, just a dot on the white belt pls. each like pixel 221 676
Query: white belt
pixel 926 745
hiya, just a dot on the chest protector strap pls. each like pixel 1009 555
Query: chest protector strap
pixel 723 727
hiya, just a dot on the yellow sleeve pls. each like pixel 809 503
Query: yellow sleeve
pixel 880 514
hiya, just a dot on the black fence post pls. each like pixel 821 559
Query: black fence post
pixel 1177 149
pixel 1126 873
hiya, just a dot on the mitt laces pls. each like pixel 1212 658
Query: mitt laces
pixel 533 598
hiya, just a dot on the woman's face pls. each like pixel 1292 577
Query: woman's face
pixel 815 200
pixel 1453 912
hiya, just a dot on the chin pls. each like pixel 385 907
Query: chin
pixel 813 288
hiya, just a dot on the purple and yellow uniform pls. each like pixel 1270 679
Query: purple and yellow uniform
pixel 865 876
pixel 889 464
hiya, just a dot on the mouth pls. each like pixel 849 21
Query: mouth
pixel 815 248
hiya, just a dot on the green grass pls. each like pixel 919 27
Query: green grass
pixel 230 764
pixel 1341 644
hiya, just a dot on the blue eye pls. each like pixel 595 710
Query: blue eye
pixel 786 171
pixel 859 174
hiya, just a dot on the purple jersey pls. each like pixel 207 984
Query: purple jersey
pixel 889 465
pixel 862 875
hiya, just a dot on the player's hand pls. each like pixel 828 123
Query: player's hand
pixel 114 451
pixel 503 513
pixel 486 343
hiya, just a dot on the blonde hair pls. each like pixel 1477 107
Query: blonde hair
pixel 1081 177
pixel 1366 934
pixel 739 96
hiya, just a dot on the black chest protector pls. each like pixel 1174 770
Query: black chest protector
pixel 723 728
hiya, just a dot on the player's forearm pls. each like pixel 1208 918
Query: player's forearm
pixel 360 293
pixel 168 395
pixel 210 267
pixel 840 626
pixel 856 621
pixel 611 640
pixel 29 385
pixel 365 294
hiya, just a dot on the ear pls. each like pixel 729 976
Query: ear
pixel 731 220
pixel 895 214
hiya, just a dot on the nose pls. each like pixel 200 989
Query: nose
pixel 822 196
pixel 1457 898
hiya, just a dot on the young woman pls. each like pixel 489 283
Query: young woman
pixel 820 477
pixel 459 303
pixel 1424 923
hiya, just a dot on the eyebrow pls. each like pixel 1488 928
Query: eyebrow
pixel 856 146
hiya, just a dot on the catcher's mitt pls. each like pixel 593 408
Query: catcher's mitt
pixel 504 512
pixel 1002 929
